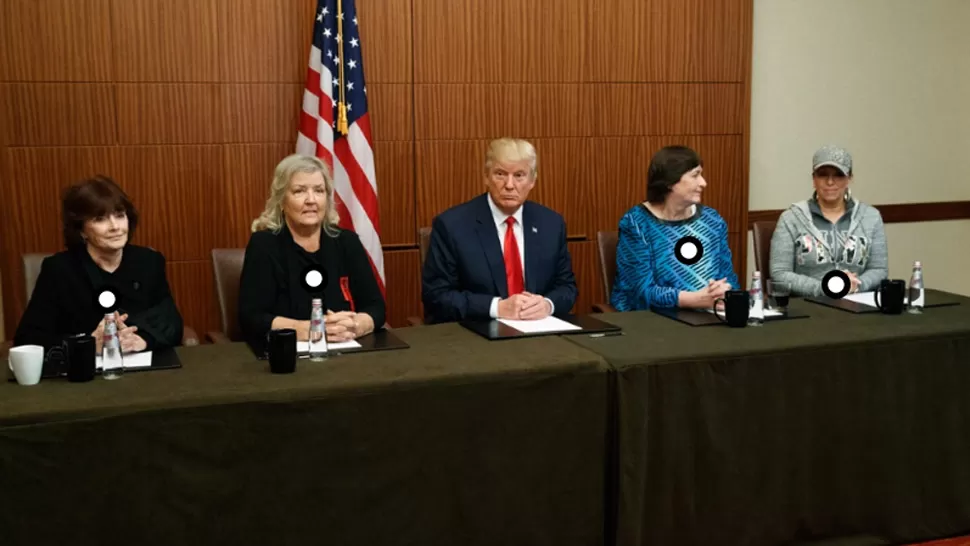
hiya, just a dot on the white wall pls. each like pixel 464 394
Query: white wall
pixel 890 81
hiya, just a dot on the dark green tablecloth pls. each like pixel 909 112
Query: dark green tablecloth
pixel 835 425
pixel 456 441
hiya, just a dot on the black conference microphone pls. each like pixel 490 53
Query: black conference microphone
pixel 689 250
pixel 106 298
pixel 836 284
pixel 314 279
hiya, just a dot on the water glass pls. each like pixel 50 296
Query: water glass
pixel 779 292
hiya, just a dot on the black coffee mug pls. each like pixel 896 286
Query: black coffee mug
pixel 80 356
pixel 890 296
pixel 74 357
pixel 281 350
pixel 736 307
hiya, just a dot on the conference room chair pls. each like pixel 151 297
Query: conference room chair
pixel 32 262
pixel 763 230
pixel 227 266
pixel 424 241
pixel 606 243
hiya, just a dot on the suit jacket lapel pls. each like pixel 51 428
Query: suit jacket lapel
pixel 488 237
pixel 531 235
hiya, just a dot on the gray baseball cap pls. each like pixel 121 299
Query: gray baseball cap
pixel 834 156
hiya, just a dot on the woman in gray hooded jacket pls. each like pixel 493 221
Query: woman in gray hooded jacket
pixel 829 231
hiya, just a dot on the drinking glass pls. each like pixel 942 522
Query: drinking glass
pixel 779 293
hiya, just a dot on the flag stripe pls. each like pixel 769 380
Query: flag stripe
pixel 350 157
pixel 363 191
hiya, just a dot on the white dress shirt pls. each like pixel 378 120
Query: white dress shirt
pixel 518 232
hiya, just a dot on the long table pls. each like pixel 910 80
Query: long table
pixel 833 426
pixel 456 441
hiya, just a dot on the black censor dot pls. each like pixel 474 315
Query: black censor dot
pixel 314 278
pixel 689 250
pixel 106 299
pixel 836 284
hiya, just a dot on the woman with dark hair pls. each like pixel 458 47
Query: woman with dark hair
pixel 98 221
pixel 672 250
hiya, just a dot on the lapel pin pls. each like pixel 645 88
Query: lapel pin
pixel 534 230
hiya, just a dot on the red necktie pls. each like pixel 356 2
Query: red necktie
pixel 513 264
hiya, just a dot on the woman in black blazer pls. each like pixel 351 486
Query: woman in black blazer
pixel 299 229
pixel 98 221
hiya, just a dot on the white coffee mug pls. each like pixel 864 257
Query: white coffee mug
pixel 27 363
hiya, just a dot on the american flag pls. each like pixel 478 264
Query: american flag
pixel 335 79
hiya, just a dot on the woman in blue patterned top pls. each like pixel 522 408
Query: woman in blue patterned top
pixel 648 271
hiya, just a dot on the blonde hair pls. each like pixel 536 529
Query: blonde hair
pixel 504 150
pixel 272 218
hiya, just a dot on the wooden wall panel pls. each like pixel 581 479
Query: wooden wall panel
pixel 586 268
pixel 564 183
pixel 499 41
pixel 256 112
pixel 6 241
pixel 402 268
pixel 166 41
pixel 6 42
pixel 246 179
pixel 668 109
pixel 57 40
pixel 385 35
pixel 390 107
pixel 170 114
pixel 265 40
pixel 666 41
pixel 176 189
pixel 6 112
pixel 448 172
pixel 194 291
pixel 618 171
pixel 489 111
pixel 394 163
pixel 57 114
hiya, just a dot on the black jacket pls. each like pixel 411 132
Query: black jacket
pixel 63 302
pixel 271 284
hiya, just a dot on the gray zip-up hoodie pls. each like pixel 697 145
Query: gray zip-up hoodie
pixel 801 253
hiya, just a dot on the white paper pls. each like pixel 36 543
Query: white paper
pixel 304 346
pixel 867 298
pixel 769 312
pixel 130 360
pixel 548 324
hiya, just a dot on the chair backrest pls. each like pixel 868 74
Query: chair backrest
pixel 32 263
pixel 763 231
pixel 606 241
pixel 424 241
pixel 226 268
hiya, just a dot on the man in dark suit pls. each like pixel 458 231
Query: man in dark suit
pixel 498 255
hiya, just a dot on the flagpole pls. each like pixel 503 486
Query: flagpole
pixel 342 102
